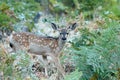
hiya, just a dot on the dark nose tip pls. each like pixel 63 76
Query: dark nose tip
pixel 63 38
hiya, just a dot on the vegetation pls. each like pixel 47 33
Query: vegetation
pixel 94 54
pixel 98 53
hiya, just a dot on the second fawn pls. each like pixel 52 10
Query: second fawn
pixel 45 46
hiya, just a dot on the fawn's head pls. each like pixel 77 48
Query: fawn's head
pixel 63 32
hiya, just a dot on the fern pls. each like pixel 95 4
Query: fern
pixel 102 56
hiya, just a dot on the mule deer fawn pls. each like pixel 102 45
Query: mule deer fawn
pixel 45 46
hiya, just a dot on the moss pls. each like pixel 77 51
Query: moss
pixel 3 7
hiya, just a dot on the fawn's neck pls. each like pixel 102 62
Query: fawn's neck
pixel 61 43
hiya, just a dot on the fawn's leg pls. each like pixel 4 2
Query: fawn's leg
pixel 43 59
pixel 45 64
pixel 58 65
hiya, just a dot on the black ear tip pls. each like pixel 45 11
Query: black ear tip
pixel 54 26
pixel 74 24
pixel 52 23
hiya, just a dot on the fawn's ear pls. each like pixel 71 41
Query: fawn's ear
pixel 73 26
pixel 54 26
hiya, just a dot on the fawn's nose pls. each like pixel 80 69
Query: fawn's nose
pixel 63 38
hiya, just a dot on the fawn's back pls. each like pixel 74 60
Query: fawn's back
pixel 34 43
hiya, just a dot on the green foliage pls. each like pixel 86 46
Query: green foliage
pixel 6 65
pixel 6 21
pixel 3 6
pixel 87 7
pixel 57 7
pixel 111 9
pixel 75 7
pixel 74 75
pixel 87 38
pixel 101 59
pixel 26 7
pixel 30 25
pixel 16 66
pixel 22 9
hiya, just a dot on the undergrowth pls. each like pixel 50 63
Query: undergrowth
pixel 97 53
